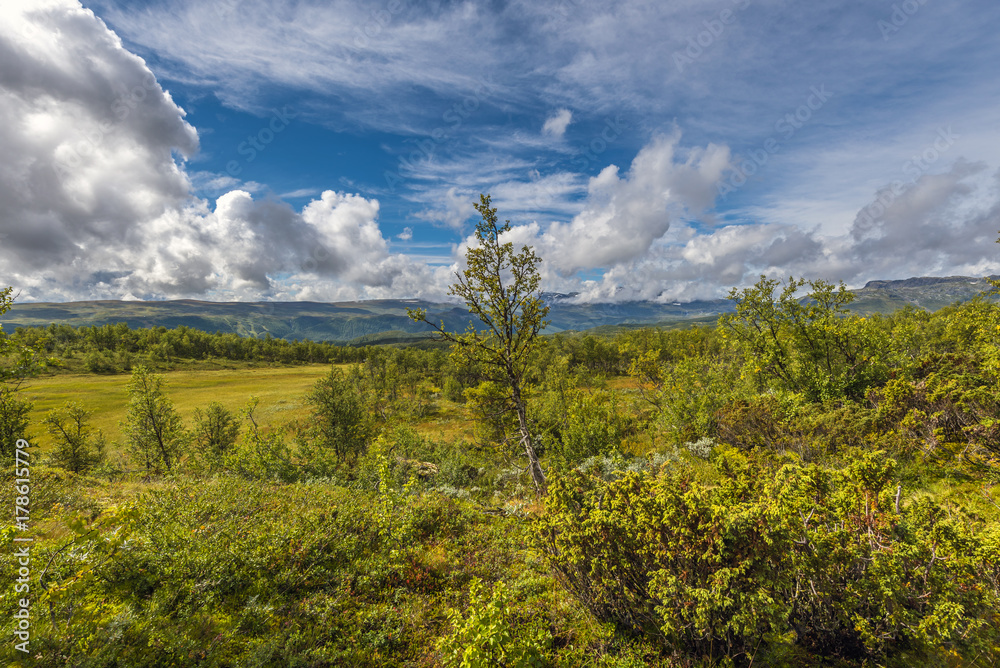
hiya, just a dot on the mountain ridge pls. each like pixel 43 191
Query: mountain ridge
pixel 366 320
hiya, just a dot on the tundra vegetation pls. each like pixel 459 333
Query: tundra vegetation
pixel 796 486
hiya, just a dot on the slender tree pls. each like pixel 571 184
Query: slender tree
pixel 339 429
pixel 215 432
pixel 153 430
pixel 77 447
pixel 500 288
pixel 17 363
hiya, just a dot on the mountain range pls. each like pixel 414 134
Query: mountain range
pixel 381 321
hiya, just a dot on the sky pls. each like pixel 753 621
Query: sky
pixel 244 150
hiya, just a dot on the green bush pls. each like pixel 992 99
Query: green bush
pixel 260 454
pixel 77 448
pixel 339 429
pixel 99 361
pixel 215 432
pixel 776 552
pixel 579 424
pixel 13 420
pixel 489 634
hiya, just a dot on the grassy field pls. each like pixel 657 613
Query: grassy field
pixel 282 392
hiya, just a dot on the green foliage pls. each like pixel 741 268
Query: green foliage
pixel 580 423
pixel 260 454
pixel 685 391
pixel 947 411
pixel 231 572
pixel 18 362
pixel 116 348
pixel 155 436
pixel 77 448
pixel 488 634
pixel 692 392
pixel 215 432
pixel 13 420
pixel 664 558
pixel 100 361
pixel 339 429
pixel 775 552
pixel 811 346
pixel 501 289
pixel 702 512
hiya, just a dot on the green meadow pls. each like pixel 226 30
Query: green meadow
pixel 281 390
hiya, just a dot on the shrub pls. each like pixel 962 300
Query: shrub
pixel 339 430
pixel 584 424
pixel 155 437
pixel 489 633
pixel 260 455
pixel 775 550
pixel 100 361
pixel 77 449
pixel 215 432
pixel 13 420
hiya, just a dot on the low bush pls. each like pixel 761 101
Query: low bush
pixel 776 557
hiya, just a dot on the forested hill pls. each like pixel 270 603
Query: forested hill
pixel 343 321
pixel 379 319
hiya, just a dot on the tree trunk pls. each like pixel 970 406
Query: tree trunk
pixel 537 475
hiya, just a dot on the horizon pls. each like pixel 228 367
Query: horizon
pixel 564 298
pixel 275 151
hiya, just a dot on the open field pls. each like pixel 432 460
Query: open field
pixel 282 392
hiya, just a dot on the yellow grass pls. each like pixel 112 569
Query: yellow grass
pixel 281 390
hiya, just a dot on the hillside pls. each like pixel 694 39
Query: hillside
pixel 929 293
pixel 367 321
pixel 386 320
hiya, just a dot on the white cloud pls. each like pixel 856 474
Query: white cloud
pixel 88 136
pixel 623 216
pixel 300 192
pixel 555 125
pixel 95 204
pixel 97 199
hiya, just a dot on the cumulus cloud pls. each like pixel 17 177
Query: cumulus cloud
pixel 939 223
pixel 555 125
pixel 77 111
pixel 97 205
pixel 624 215
pixel 97 201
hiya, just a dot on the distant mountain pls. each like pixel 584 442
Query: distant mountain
pixel 386 320
pixel 927 292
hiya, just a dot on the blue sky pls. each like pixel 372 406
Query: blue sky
pixel 241 149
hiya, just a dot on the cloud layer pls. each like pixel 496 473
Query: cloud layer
pixel 96 197
pixel 96 185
